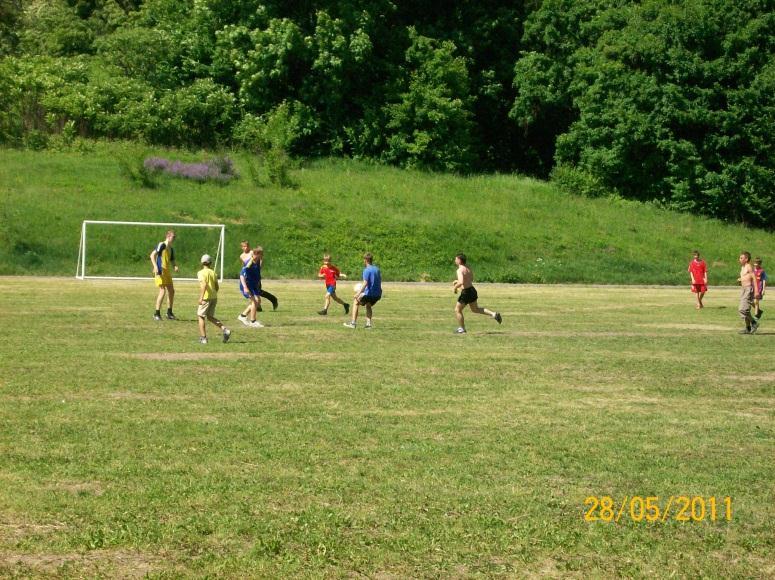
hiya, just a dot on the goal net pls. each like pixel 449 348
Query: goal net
pixel 121 250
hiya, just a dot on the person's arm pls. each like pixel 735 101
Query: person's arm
pixel 705 275
pixel 202 290
pixel 244 283
pixel 172 259
pixel 365 286
pixel 457 284
pixel 154 255
pixel 321 273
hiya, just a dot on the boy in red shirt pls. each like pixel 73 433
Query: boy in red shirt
pixel 331 274
pixel 761 285
pixel 698 270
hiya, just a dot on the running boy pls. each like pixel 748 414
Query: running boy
pixel 698 271
pixel 468 295
pixel 370 292
pixel 331 274
pixel 761 285
pixel 250 286
pixel 208 298
pixel 162 256
pixel 245 255
pixel 747 281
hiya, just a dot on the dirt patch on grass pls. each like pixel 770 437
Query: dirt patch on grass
pixel 80 487
pixel 194 356
pixel 677 326
pixel 14 530
pixel 120 563
pixel 761 377
pixel 183 356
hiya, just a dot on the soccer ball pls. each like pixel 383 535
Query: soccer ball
pixel 358 287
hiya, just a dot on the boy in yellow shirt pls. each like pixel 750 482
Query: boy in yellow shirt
pixel 208 298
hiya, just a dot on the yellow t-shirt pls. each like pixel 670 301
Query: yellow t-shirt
pixel 207 276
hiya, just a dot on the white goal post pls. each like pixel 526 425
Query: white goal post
pixel 80 271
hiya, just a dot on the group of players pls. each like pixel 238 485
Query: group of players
pixel 753 282
pixel 367 293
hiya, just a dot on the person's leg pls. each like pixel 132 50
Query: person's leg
pixel 170 298
pixel 461 323
pixel 160 298
pixel 368 315
pixel 491 313
pixel 354 316
pixel 271 297
pixel 202 329
pixel 700 296
pixel 252 308
pixel 745 309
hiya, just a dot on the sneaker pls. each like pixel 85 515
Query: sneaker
pixel 759 315
pixel 171 316
pixel 346 309
pixel 156 317
pixel 460 330
pixel 226 335
pixel 498 318
pixel 323 312
pixel 243 319
pixel 368 325
pixel 202 340
pixel 256 324
pixel 754 326
pixel 744 331
pixel 349 324
pixel 274 302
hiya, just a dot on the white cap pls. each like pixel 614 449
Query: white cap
pixel 206 259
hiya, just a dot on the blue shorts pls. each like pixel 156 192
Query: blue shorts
pixel 253 289
pixel 331 289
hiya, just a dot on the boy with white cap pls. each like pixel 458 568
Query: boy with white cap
pixel 208 298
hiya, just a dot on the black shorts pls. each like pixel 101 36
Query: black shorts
pixel 468 295
pixel 372 300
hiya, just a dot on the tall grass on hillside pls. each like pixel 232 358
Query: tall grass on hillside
pixel 513 229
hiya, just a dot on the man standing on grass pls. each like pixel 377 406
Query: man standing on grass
pixel 208 299
pixel 747 281
pixel 370 292
pixel 161 258
pixel 468 295
pixel 698 271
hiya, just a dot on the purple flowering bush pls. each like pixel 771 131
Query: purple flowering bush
pixel 217 169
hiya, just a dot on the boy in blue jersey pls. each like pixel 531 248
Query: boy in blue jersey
pixel 245 255
pixel 370 293
pixel 250 286
pixel 162 257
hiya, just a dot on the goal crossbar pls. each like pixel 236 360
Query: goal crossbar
pixel 80 271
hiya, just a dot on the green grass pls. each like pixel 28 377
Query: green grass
pixel 513 229
pixel 306 449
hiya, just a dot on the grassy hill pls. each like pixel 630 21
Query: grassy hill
pixel 512 228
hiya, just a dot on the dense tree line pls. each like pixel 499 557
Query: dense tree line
pixel 667 101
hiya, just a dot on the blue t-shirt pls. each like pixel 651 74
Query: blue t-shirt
pixel 252 273
pixel 372 278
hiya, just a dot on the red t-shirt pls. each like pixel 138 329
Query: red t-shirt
pixel 331 273
pixel 698 270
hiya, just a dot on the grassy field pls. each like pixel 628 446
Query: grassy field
pixel 307 449
pixel 514 229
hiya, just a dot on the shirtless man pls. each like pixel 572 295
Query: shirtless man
pixel 747 281
pixel 468 295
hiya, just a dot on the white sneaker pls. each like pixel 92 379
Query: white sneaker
pixel 460 330
pixel 349 325
pixel 255 324
pixel 202 340
pixel 226 335
pixel 243 319
pixel 368 325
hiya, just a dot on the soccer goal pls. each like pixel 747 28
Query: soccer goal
pixel 118 250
